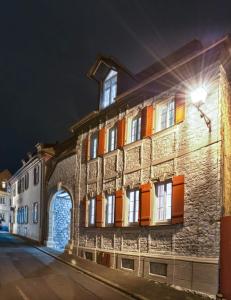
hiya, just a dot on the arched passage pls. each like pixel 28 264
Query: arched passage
pixel 60 212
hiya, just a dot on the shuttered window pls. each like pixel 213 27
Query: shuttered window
pixel 178 199
pixel 163 201
pixel 101 146
pixel 180 107
pixel 119 208
pixel 112 139
pixel 99 211
pixel 91 211
pixel 110 209
pixel 121 133
pixel 93 145
pixel 135 129
pixel 165 114
pixel 133 206
pixel 147 121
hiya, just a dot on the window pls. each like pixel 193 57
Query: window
pixel 36 175
pixel 163 201
pixel 35 212
pixel 127 263
pixel 26 181
pixel 112 139
pixel 109 89
pixel 26 214
pixel 94 145
pixel 19 186
pixel 165 114
pixel 91 211
pixel 22 184
pixel 14 190
pixel 158 268
pixel 110 209
pixel 2 200
pixel 3 184
pixel 133 206
pixel 2 217
pixel 136 129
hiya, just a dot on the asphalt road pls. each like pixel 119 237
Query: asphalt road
pixel 29 274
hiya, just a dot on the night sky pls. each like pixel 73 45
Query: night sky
pixel 47 47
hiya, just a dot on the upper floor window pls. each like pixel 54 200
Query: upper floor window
pixel 112 140
pixel 26 181
pixel 91 211
pixel 133 205
pixel 109 89
pixel 3 184
pixel 2 200
pixel 110 209
pixel 36 174
pixel 93 145
pixel 163 201
pixel 136 129
pixel 165 114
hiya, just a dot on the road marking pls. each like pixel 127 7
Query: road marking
pixel 22 294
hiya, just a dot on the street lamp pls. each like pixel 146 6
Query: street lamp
pixel 198 97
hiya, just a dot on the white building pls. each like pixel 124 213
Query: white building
pixel 4 200
pixel 27 189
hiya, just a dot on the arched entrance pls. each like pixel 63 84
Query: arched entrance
pixel 60 212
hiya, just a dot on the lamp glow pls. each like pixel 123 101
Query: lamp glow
pixel 198 96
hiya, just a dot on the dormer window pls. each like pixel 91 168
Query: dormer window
pixel 109 89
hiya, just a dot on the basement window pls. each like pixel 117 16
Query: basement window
pixel 127 263
pixel 158 269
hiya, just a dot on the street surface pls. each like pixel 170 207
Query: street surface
pixel 29 274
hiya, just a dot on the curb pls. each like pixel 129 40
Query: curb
pixel 97 277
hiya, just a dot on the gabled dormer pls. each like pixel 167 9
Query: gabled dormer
pixel 112 79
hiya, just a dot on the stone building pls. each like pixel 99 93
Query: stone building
pixel 27 194
pixel 148 173
pixel 4 200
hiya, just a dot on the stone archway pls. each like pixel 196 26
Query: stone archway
pixel 60 218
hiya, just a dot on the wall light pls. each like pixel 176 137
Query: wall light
pixel 198 97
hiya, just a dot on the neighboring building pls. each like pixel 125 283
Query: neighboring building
pixel 27 194
pixel 4 200
pixel 148 174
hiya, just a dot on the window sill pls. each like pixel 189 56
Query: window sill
pixel 132 144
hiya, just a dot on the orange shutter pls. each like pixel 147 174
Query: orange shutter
pixel 101 144
pixel 147 121
pixel 99 211
pixel 120 133
pixel 84 203
pixel 119 208
pixel 178 199
pixel 145 204
pixel 180 107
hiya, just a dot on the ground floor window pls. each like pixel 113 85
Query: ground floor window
pixel 91 211
pixel 110 209
pixel 133 205
pixel 35 212
pixel 163 201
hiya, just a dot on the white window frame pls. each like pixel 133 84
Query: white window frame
pixel 110 209
pixel 163 201
pixel 135 129
pixel 112 140
pixel 91 211
pixel 93 145
pixel 35 212
pixel 169 120
pixel 133 197
pixel 109 87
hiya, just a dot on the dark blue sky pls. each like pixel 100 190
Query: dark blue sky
pixel 47 48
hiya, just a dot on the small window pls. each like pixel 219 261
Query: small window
pixel 35 212
pixel 22 184
pixel 3 184
pixel 14 190
pixel 91 211
pixel 133 206
pixel 110 209
pixel 158 268
pixel 19 186
pixel 165 114
pixel 136 129
pixel 112 139
pixel 127 263
pixel 89 255
pixel 26 214
pixel 36 175
pixel 93 145
pixel 26 181
pixel 163 201
pixel 109 89
pixel 2 200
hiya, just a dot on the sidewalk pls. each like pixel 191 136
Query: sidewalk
pixel 137 287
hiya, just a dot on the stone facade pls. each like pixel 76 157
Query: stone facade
pixel 185 253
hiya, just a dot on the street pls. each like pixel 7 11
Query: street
pixel 29 274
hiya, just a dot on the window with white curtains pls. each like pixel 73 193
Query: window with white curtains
pixel 91 211
pixel 133 205
pixel 163 201
pixel 110 209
